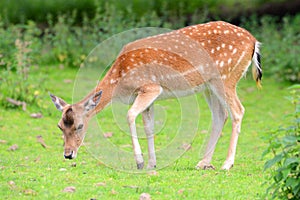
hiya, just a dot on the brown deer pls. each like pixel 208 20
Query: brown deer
pixel 209 57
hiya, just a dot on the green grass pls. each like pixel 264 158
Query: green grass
pixel 41 173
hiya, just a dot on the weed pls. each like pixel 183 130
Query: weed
pixel 285 148
pixel 15 79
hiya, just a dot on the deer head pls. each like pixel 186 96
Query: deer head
pixel 74 121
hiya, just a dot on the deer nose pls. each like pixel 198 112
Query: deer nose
pixel 69 156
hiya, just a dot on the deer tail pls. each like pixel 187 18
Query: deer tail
pixel 256 67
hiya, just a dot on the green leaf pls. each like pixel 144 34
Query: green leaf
pixel 289 139
pixel 285 173
pixel 289 161
pixel 293 87
pixel 273 161
pixel 292 182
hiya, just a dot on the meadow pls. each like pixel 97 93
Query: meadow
pixel 36 60
pixel 32 170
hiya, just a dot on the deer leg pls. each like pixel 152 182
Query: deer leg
pixel 237 112
pixel 148 119
pixel 219 117
pixel 146 96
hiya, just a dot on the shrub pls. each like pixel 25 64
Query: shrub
pixel 16 82
pixel 284 145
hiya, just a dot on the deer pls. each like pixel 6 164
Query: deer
pixel 207 58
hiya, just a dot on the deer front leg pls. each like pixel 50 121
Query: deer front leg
pixel 131 116
pixel 148 120
pixel 146 96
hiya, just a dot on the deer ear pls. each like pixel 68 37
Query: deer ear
pixel 93 101
pixel 58 102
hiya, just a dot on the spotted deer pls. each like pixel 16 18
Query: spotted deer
pixel 209 57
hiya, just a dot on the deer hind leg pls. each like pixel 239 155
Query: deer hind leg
pixel 237 113
pixel 148 120
pixel 219 117
pixel 146 96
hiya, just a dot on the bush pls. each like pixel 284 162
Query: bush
pixel 284 145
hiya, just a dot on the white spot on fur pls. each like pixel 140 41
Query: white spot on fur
pixel 230 47
pixel 229 60
pixel 153 78
pixel 222 64
pixel 112 81
pixel 234 51
pixel 223 45
pixel 212 51
pixel 218 48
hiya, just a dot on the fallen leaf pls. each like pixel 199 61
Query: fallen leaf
pixel 40 140
pixel 62 169
pixel 145 196
pixel 113 191
pixel 100 184
pixel 13 147
pixel 186 146
pixel 69 189
pixel 108 134
pixel 36 115
pixel 29 192
pixel 180 191
pixel 131 186
pixel 67 81
pixel 3 141
pixel 11 184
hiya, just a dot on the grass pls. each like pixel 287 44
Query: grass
pixel 32 171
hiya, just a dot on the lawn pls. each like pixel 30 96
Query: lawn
pixel 32 171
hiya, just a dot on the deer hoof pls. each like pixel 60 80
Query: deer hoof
pixel 227 166
pixel 140 165
pixel 205 166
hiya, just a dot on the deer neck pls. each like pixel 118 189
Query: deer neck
pixel 107 88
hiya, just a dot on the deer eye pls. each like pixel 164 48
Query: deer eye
pixel 79 127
